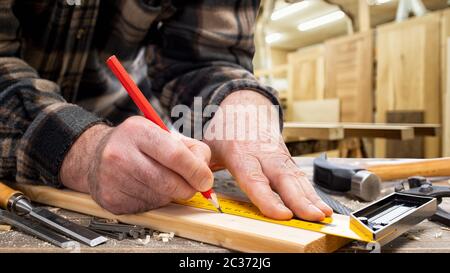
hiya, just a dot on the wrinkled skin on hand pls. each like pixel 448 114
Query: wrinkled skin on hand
pixel 136 166
pixel 263 167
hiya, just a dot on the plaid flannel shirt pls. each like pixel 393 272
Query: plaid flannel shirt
pixel 54 83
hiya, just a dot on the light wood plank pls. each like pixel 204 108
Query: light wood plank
pixel 349 62
pixel 364 15
pixel 369 130
pixel 445 45
pixel 306 68
pixel 408 73
pixel 319 131
pixel 233 232
pixel 317 110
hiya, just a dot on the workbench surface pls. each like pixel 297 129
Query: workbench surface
pixel 425 237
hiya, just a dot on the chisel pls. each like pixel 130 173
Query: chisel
pixel 17 203
pixel 35 229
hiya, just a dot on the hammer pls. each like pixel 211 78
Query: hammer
pixel 364 183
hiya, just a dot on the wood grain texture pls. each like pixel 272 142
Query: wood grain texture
pixel 370 130
pixel 445 80
pixel 233 232
pixel 321 131
pixel 363 16
pixel 327 110
pixel 378 131
pixel 413 148
pixel 306 68
pixel 430 167
pixel 349 63
pixel 408 73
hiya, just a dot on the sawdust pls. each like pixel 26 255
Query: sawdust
pixel 164 237
pixel 413 237
pixel 353 204
pixel 146 241
pixel 5 228
pixel 54 210
pixel 414 234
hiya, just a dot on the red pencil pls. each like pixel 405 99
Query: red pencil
pixel 146 108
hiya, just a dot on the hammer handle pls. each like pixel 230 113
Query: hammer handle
pixel 429 167
pixel 5 194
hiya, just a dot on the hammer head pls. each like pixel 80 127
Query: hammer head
pixel 365 185
pixel 343 178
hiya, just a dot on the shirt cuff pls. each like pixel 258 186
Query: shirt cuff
pixel 48 139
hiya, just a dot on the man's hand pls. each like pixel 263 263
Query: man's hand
pixel 262 165
pixel 136 166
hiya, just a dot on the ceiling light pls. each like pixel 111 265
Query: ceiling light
pixel 379 2
pixel 288 10
pixel 322 20
pixel 273 37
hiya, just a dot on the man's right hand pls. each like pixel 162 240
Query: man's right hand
pixel 136 166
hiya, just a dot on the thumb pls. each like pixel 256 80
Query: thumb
pixel 198 148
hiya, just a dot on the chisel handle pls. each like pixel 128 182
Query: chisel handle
pixel 5 195
pixel 427 168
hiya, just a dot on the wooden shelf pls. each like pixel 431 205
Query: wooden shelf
pixel 340 130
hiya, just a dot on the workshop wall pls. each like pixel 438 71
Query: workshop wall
pixel 376 69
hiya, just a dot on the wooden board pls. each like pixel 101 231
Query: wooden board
pixel 293 131
pixel 237 233
pixel 370 130
pixel 316 110
pixel 413 148
pixel 378 131
pixel 445 80
pixel 408 73
pixel 306 68
pixel 446 102
pixel 348 63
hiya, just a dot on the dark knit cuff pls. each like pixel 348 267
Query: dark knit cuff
pixel 51 135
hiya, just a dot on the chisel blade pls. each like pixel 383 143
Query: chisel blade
pixel 66 227
pixel 35 229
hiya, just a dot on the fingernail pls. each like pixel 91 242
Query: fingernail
pixel 283 207
pixel 206 184
pixel 329 210
pixel 317 211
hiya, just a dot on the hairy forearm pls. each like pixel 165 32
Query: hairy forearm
pixel 76 164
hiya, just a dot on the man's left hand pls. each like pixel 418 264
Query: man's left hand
pixel 262 166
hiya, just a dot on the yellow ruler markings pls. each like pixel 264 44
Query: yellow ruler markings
pixel 336 225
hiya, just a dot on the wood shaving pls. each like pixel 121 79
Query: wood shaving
pixel 413 237
pixel 146 241
pixel 438 235
pixel 164 237
pixel 445 228
pixel 54 210
pixel 5 228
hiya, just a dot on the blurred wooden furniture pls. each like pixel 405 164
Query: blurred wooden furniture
pixel 349 75
pixel 306 77
pixel 408 72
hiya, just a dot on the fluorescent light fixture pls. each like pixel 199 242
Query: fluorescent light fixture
pixel 380 2
pixel 322 20
pixel 273 37
pixel 288 10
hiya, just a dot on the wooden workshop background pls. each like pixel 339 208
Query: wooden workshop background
pixel 379 71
